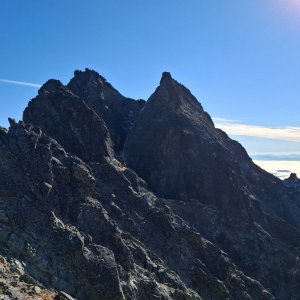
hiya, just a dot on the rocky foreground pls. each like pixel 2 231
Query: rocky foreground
pixel 103 197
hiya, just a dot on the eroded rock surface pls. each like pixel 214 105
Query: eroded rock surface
pixel 119 112
pixel 187 215
pixel 211 182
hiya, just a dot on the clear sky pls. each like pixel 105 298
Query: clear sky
pixel 240 58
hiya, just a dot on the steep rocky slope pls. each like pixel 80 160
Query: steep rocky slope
pixel 70 121
pixel 179 212
pixel 211 182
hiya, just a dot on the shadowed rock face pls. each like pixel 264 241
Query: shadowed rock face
pixel 95 231
pixel 40 197
pixel 118 111
pixel 188 217
pixel 210 180
pixel 65 117
pixel 178 151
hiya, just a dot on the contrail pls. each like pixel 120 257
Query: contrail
pixel 35 85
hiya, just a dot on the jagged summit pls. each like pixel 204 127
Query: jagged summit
pixel 119 112
pixel 293 176
pixel 12 122
pixel 88 74
pixel 105 197
pixel 51 86
pixel 171 95
pixel 86 77
pixel 166 76
pixel 293 182
pixel 93 80
pixel 60 114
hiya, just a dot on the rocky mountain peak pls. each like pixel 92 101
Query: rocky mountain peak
pixel 51 86
pixel 106 197
pixel 60 113
pixel 181 133
pixel 12 123
pixel 293 176
pixel 293 182
pixel 85 78
pixel 166 76
pixel 88 75
pixel 118 112
pixel 168 95
pixel 90 84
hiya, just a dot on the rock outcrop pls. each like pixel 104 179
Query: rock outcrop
pixel 210 181
pixel 186 215
pixel 119 112
pixel 65 117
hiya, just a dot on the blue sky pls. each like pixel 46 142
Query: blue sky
pixel 241 59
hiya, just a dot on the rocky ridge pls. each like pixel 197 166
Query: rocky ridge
pixel 105 197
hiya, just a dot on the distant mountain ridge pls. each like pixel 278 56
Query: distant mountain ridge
pixel 106 197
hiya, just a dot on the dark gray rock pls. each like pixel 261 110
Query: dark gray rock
pixel 119 112
pixel 90 231
pixel 293 181
pixel 46 189
pixel 75 219
pixel 61 114
pixel 210 181
pixel 178 151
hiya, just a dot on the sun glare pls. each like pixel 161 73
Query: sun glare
pixel 291 5
pixel 288 10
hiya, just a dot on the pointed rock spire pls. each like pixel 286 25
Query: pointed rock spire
pixel 175 140
pixel 166 77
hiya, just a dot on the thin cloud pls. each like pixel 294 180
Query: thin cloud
pixel 221 120
pixel 232 127
pixel 35 85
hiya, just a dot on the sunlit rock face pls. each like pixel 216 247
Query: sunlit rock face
pixel 105 197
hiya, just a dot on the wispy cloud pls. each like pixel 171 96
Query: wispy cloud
pixel 224 120
pixel 35 85
pixel 235 127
